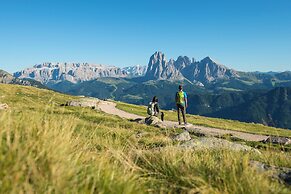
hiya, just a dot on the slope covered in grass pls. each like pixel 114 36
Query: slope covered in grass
pixel 211 122
pixel 46 148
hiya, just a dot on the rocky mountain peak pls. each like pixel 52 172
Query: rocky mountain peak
pixel 182 62
pixel 208 60
pixel 207 70
pixel 158 57
pixel 204 71
pixel 160 69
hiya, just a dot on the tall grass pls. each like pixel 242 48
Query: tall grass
pixel 45 148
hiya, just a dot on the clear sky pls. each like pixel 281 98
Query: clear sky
pixel 245 35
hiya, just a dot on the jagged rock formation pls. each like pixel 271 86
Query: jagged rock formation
pixel 199 72
pixel 160 69
pixel 7 78
pixel 207 70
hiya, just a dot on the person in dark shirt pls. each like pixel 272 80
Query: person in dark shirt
pixel 156 111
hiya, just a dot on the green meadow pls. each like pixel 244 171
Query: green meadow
pixel 48 148
pixel 212 122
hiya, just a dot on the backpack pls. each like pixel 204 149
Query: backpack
pixel 180 97
pixel 150 109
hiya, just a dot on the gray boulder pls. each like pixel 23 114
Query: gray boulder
pixel 155 121
pixel 185 136
pixel 213 143
pixel 196 131
pixel 283 174
pixel 277 140
pixel 84 102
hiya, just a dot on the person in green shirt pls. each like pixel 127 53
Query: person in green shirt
pixel 182 104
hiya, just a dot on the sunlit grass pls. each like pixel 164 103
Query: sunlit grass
pixel 45 148
pixel 212 122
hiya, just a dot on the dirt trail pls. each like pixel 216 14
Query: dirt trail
pixel 110 108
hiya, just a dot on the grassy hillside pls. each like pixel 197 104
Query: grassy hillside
pixel 218 100
pixel 212 122
pixel 46 148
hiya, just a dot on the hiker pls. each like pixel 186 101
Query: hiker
pixel 182 104
pixel 153 107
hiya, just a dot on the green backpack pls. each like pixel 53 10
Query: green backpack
pixel 150 109
pixel 180 97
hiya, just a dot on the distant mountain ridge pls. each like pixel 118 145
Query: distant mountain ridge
pixel 206 74
pixel 75 72
pixel 7 78
pixel 158 68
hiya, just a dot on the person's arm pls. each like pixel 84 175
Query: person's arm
pixel 157 108
pixel 186 101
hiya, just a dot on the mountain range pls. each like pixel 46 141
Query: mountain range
pixel 213 89
pixel 6 78
pixel 205 73
pixel 50 73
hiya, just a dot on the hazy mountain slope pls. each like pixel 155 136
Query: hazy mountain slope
pixel 54 73
pixel 135 71
pixel 100 88
pixel 7 78
pixel 271 108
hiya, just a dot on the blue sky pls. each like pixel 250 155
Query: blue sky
pixel 246 35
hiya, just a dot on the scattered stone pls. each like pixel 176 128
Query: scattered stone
pixel 85 102
pixel 213 143
pixel 282 174
pixel 4 106
pixel 155 121
pixel 277 140
pixel 196 131
pixel 185 136
pixel 140 134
